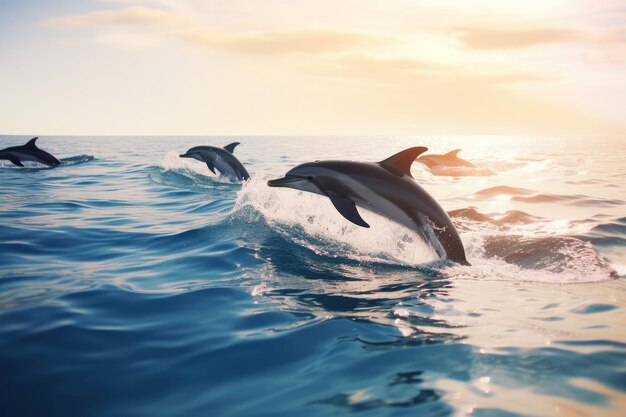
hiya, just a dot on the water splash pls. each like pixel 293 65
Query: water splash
pixel 76 160
pixel 173 162
pixel 313 222
pixel 503 248
pixel 538 251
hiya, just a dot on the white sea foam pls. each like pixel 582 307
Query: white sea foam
pixel 317 217
pixel 27 164
pixel 541 252
pixel 173 162
pixel 311 221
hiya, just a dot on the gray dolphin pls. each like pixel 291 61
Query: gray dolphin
pixel 386 188
pixel 28 152
pixel 221 158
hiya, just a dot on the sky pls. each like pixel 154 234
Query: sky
pixel 323 67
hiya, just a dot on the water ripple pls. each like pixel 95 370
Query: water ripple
pixel 139 284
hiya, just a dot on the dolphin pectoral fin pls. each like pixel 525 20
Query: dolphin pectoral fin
pixel 347 208
pixel 31 143
pixel 231 148
pixel 211 167
pixel 16 162
pixel 401 162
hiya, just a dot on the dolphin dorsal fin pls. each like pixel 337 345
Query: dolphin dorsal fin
pixel 402 161
pixel 453 153
pixel 231 148
pixel 31 143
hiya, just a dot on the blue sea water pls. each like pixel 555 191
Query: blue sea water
pixel 136 283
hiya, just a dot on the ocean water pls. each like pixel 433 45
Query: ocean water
pixel 136 283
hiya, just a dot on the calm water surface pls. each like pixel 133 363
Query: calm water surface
pixel 135 283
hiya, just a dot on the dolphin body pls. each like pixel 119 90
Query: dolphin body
pixel 221 158
pixel 386 188
pixel 450 159
pixel 28 152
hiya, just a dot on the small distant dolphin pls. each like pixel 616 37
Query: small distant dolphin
pixel 28 152
pixel 450 159
pixel 451 165
pixel 221 158
pixel 386 188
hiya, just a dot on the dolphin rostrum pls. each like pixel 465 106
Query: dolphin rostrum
pixel 28 152
pixel 386 188
pixel 221 159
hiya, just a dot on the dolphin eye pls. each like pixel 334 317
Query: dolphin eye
pixel 309 178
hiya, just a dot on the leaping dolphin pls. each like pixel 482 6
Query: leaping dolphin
pixel 28 152
pixel 221 158
pixel 386 188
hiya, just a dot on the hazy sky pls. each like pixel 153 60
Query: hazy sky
pixel 276 67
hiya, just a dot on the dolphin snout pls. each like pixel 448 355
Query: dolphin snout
pixel 283 182
pixel 184 155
